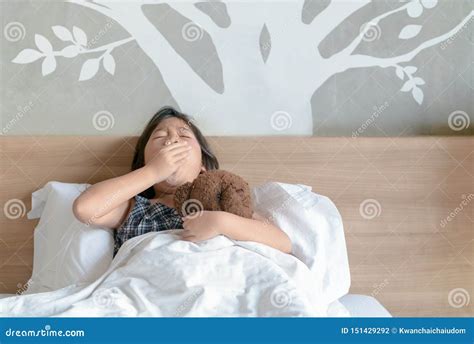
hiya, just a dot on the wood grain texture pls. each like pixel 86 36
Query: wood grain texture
pixel 403 255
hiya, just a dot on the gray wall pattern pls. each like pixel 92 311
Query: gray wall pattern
pixel 314 67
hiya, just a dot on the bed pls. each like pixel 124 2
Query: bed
pixel 400 256
pixel 357 305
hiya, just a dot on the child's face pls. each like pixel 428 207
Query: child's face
pixel 175 130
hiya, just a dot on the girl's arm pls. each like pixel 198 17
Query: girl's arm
pixel 107 203
pixel 258 230
pixel 211 223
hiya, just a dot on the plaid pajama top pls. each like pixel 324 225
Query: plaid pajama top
pixel 146 217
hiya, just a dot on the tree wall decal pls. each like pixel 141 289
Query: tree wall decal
pixel 267 74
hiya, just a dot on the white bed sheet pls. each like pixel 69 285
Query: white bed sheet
pixel 357 305
pixel 360 306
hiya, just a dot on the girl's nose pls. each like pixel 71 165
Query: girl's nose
pixel 172 139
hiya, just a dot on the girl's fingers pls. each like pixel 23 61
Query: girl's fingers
pixel 180 161
pixel 176 149
pixel 180 155
pixel 179 149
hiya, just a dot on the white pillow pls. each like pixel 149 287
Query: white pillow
pixel 314 226
pixel 66 251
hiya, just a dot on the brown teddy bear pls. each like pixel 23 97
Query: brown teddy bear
pixel 215 190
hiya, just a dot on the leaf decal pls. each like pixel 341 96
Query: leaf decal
pixel 79 35
pixel 409 31
pixel 410 69
pixel 27 56
pixel 415 9
pixel 62 33
pixel 418 81
pixel 70 51
pixel 49 65
pixel 399 72
pixel 265 43
pixel 418 95
pixel 89 69
pixel 429 3
pixel 43 44
pixel 407 86
pixel 109 63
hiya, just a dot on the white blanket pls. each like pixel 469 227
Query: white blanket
pixel 158 275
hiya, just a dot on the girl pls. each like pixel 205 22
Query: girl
pixel 170 151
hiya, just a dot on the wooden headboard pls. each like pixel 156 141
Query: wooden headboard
pixel 393 194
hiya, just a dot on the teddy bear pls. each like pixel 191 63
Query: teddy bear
pixel 215 190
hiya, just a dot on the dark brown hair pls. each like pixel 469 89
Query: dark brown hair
pixel 209 160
